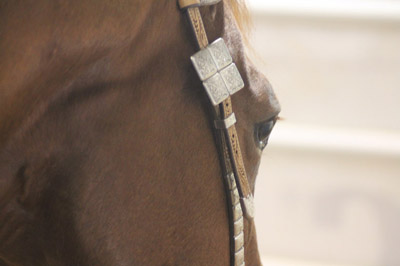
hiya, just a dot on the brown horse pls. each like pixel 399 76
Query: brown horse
pixel 107 155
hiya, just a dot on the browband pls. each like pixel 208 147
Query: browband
pixel 221 79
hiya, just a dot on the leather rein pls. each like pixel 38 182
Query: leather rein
pixel 221 79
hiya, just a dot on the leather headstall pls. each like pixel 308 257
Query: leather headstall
pixel 221 79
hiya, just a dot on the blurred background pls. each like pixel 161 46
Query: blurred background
pixel 328 190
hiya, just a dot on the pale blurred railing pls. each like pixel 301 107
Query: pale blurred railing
pixel 353 9
pixel 328 190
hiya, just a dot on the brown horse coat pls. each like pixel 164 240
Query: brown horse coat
pixel 106 149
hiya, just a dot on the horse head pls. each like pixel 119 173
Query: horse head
pixel 107 153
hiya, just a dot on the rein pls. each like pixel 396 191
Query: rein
pixel 221 79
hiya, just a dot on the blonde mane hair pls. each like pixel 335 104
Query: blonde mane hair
pixel 242 16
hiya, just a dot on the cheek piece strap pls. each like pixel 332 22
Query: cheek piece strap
pixel 221 79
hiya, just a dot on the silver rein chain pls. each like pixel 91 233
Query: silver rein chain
pixel 221 79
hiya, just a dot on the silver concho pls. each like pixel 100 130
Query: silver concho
pixel 220 54
pixel 204 64
pixel 232 78
pixel 216 89
pixel 216 69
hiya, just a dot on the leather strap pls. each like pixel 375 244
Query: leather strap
pixel 235 154
pixel 198 27
pixel 229 149
pixel 188 3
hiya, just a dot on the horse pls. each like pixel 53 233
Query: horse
pixel 107 155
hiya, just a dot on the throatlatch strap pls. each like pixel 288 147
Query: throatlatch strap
pixel 228 145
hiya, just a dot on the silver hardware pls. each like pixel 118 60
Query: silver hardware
pixel 209 2
pixel 239 241
pixel 220 53
pixel 248 206
pixel 204 64
pixel 216 69
pixel 238 226
pixel 237 212
pixel 239 257
pixel 232 78
pixel 216 89
pixel 226 123
pixel 235 198
pixel 231 181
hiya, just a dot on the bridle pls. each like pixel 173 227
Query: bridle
pixel 221 79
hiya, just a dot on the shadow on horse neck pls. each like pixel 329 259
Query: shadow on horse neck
pixel 107 155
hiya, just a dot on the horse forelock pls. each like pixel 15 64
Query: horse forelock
pixel 242 16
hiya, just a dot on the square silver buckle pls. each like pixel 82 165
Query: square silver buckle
pixel 216 70
pixel 216 89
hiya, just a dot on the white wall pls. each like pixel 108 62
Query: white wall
pixel 328 190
